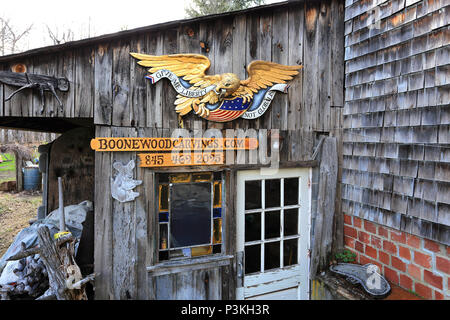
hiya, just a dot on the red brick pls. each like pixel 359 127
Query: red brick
pixel 443 264
pixel 413 241
pixel 414 271
pixel 404 252
pixel 398 236
pixel 384 257
pixel 423 291
pixel 383 232
pixel 391 275
pixel 389 247
pixel 422 259
pixel 376 242
pixel 438 295
pixel 432 279
pixel 364 237
pixel 351 232
pixel 359 246
pixel 406 282
pixel 448 251
pixel 431 245
pixel 371 252
pixel 398 264
pixel 348 219
pixel 369 226
pixel 349 242
pixel 357 222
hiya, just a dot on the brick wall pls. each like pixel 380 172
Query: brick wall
pixel 413 263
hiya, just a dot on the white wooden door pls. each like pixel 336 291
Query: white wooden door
pixel 273 225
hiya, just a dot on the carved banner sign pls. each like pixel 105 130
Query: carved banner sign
pixel 181 159
pixel 221 97
pixel 170 144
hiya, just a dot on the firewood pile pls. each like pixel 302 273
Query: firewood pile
pixel 32 278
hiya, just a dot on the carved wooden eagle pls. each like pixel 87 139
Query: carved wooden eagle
pixel 221 97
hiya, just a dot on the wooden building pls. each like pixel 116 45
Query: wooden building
pixel 267 235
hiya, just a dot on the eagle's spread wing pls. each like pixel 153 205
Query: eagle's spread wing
pixel 189 67
pixel 263 74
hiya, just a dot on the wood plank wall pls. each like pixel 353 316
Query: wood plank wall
pixel 125 104
pixel 396 151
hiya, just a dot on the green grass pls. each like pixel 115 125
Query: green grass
pixel 8 165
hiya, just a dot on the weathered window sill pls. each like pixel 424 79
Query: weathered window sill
pixel 178 266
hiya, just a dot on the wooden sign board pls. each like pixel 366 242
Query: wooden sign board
pixel 170 144
pixel 180 159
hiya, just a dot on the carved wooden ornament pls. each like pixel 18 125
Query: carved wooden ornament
pixel 221 97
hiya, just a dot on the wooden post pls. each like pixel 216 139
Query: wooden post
pixel 19 173
pixel 323 230
pixel 62 221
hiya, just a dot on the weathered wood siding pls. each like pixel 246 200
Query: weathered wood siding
pixel 396 151
pixel 126 104
pixel 109 87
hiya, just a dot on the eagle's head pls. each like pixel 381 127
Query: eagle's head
pixel 227 85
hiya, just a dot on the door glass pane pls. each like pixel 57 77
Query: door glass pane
pixel 252 258
pixel 217 231
pixel 252 194
pixel 272 193
pixel 290 252
pixel 163 236
pixel 271 255
pixel 252 226
pixel 290 222
pixel 290 191
pixel 272 225
pixel 190 214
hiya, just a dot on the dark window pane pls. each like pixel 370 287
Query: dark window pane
pixel 252 226
pixel 290 191
pixel 217 212
pixel 163 217
pixel 252 195
pixel 163 177
pixel 252 259
pixel 272 225
pixel 163 236
pixel 272 193
pixel 164 197
pixel 290 222
pixel 163 255
pixel 290 252
pixel 217 176
pixel 217 248
pixel 190 214
pixel 271 255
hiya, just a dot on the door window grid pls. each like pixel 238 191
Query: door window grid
pixel 262 211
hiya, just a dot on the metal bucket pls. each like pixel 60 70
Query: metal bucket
pixel 32 178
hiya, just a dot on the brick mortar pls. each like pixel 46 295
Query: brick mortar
pixel 443 253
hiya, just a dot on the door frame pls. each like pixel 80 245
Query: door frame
pixel 293 274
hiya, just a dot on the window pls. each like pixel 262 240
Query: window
pixel 271 225
pixel 190 214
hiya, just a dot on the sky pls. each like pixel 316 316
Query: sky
pixel 87 17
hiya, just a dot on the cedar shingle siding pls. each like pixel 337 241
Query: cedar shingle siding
pixel 396 152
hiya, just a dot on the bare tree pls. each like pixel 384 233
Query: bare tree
pixel 11 36
pixel 58 37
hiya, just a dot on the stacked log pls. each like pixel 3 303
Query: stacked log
pixel 33 278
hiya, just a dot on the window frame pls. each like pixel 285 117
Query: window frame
pixel 222 216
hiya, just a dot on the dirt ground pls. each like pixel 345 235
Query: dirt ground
pixel 16 209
